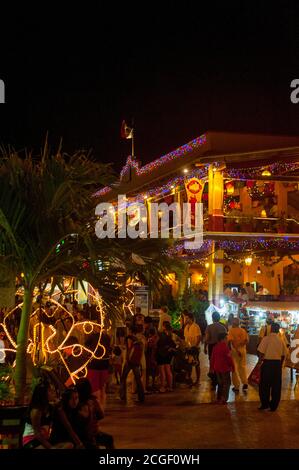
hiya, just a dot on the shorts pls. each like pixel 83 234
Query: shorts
pixel 33 444
pixel 98 379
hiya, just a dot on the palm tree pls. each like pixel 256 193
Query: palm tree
pixel 45 202
pixel 47 225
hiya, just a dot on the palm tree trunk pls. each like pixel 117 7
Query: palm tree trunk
pixel 22 340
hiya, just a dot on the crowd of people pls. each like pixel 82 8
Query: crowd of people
pixel 156 357
pixel 244 294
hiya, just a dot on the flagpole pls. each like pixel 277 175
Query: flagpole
pixel 133 156
pixel 133 126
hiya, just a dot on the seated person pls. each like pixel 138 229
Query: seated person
pixel 39 421
pixel 89 415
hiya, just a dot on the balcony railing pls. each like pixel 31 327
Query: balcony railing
pixel 276 298
pixel 260 224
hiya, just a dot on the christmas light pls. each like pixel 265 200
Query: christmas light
pixel 239 246
pixel 39 346
pixel 248 261
pixel 178 153
pixel 277 168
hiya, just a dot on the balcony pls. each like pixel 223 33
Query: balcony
pixel 245 224
pixel 275 298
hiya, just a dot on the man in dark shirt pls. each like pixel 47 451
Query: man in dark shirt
pixel 211 339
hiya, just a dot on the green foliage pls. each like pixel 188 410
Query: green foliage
pixel 6 384
pixel 187 302
pixel 47 228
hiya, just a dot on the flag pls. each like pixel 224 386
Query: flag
pixel 126 132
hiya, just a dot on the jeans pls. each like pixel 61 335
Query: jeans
pixel 123 381
pixel 223 379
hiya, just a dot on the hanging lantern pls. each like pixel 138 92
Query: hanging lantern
pixel 263 213
pixel 230 189
pixel 248 261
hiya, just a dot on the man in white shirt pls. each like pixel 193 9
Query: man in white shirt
pixel 192 335
pixel 262 291
pixel 164 316
pixel 250 291
pixel 272 353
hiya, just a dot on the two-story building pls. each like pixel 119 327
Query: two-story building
pixel 250 194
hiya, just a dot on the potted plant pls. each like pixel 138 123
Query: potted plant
pixel 7 392
pixel 11 415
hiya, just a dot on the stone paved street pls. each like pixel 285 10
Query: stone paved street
pixel 186 418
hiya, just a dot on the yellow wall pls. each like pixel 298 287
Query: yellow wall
pixel 241 274
pixel 269 274
pixel 235 276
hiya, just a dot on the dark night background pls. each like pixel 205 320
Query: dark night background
pixel 178 71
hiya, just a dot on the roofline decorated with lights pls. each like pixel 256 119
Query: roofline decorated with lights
pixel 238 151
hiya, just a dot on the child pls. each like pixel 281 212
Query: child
pixel 117 363
pixel 222 365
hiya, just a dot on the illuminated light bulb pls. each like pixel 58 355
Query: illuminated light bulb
pixel 263 213
pixel 207 265
pixel 230 189
pixel 186 170
pixel 248 261
pixel 258 270
pixel 145 196
pixel 172 186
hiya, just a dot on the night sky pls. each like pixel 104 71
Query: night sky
pixel 178 72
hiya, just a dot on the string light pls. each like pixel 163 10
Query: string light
pixel 44 334
pixel 239 246
pixel 253 173
pixel 165 159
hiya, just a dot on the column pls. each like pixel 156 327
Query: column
pixel 215 199
pixel 211 273
pixel 282 199
pixel 216 261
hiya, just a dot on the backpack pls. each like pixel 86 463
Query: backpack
pixel 136 352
